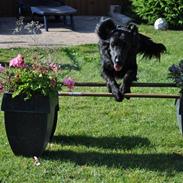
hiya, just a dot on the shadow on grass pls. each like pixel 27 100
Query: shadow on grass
pixel 164 162
pixel 69 67
pixel 74 61
pixel 124 142
pixel 154 162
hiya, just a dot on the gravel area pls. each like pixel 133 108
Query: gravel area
pixel 57 36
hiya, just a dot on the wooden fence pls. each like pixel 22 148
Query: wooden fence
pixel 84 7
pixel 93 7
pixel 8 8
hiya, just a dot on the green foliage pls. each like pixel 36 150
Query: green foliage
pixel 150 10
pixel 38 77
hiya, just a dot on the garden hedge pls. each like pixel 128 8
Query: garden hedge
pixel 150 10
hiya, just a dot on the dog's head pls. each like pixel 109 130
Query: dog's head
pixel 120 40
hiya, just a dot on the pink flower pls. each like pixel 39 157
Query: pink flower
pixel 69 82
pixel 17 62
pixel 1 88
pixel 1 68
pixel 54 67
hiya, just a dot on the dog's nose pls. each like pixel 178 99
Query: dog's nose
pixel 116 59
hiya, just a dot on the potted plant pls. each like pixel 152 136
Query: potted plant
pixel 30 104
pixel 176 74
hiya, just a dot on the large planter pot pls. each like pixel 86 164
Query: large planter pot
pixel 179 112
pixel 29 124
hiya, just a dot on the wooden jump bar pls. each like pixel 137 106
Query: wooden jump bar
pixel 127 95
pixel 135 84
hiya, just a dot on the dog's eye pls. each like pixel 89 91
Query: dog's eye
pixel 115 43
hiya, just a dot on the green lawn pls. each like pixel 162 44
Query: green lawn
pixel 99 140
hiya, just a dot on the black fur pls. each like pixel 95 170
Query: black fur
pixel 119 47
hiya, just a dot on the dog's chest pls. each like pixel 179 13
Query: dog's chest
pixel 119 74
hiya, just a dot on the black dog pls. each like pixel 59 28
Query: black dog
pixel 119 47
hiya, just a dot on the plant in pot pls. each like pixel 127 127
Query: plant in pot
pixel 30 104
pixel 176 74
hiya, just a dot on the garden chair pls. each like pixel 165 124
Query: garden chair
pixel 46 8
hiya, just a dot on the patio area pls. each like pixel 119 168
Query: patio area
pixel 58 35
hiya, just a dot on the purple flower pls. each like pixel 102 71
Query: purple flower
pixel 174 69
pixel 69 82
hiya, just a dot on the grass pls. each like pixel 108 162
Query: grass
pixel 98 139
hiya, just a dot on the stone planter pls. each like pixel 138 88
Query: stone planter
pixel 29 124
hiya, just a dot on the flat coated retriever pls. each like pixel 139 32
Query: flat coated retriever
pixel 119 47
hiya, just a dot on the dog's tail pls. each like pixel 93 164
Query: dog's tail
pixel 150 49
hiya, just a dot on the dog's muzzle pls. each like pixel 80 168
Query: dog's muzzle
pixel 117 67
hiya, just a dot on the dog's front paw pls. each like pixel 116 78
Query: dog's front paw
pixel 124 89
pixel 118 95
pixel 109 88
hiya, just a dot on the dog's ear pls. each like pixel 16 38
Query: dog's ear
pixel 134 31
pixel 104 28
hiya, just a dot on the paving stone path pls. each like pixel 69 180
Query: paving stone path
pixel 57 36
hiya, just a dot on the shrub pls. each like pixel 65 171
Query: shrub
pixel 150 10
pixel 21 79
pixel 176 73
